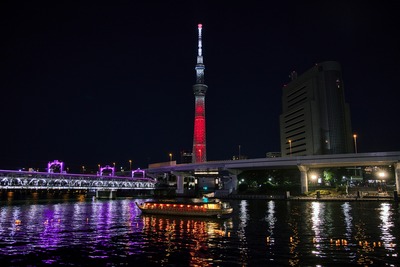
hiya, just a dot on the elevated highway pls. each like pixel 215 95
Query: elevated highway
pixel 303 163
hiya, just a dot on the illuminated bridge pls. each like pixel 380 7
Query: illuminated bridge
pixel 102 184
pixel 42 180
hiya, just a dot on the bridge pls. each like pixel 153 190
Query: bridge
pixel 302 163
pixel 106 185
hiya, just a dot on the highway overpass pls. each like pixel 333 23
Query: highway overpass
pixel 303 163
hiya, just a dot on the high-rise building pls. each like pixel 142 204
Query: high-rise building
pixel 315 118
pixel 186 156
pixel 199 90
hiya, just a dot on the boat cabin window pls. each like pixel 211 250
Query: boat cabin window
pixel 212 206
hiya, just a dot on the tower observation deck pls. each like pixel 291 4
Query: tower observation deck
pixel 199 90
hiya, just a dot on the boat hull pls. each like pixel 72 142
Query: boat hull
pixel 185 212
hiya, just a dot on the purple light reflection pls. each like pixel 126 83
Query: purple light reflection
pixel 98 226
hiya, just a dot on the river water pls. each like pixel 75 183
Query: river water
pixel 93 232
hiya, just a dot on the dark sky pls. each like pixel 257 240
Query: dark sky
pixel 103 82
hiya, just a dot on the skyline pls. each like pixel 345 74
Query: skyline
pixel 97 83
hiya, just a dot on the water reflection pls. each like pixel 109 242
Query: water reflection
pixel 386 225
pixel 260 233
pixel 192 240
pixel 244 216
pixel 49 234
pixel 316 218
pixel 271 220
pixel 294 239
pixel 319 221
pixel 348 219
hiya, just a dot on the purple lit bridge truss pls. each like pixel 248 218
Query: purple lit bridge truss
pixel 10 179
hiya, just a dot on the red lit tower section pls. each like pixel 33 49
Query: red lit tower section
pixel 199 90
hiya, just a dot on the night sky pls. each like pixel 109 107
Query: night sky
pixel 102 82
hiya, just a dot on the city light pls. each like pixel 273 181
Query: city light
pixel 382 175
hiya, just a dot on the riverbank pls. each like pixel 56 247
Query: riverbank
pixel 309 198
pixel 341 198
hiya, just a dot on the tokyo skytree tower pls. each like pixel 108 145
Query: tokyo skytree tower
pixel 199 90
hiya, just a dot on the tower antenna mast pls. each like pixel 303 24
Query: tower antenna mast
pixel 200 66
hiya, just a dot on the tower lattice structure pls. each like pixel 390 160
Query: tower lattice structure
pixel 199 90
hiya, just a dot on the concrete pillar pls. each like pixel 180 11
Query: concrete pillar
pixel 233 173
pixel 397 176
pixel 179 184
pixel 113 194
pixel 180 179
pixel 303 178
pixel 234 183
pixel 106 194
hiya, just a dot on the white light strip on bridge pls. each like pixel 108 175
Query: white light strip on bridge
pixel 206 172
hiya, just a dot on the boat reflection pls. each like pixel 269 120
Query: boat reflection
pixel 196 236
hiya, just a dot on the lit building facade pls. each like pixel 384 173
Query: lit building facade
pixel 315 118
pixel 186 157
pixel 199 89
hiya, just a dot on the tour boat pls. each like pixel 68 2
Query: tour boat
pixel 204 209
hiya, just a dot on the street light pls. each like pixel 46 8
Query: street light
pixel 170 156
pixel 290 147
pixel 200 155
pixel 355 151
pixel 382 174
pixel 355 143
pixel 130 164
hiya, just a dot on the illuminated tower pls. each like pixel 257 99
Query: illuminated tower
pixel 199 90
